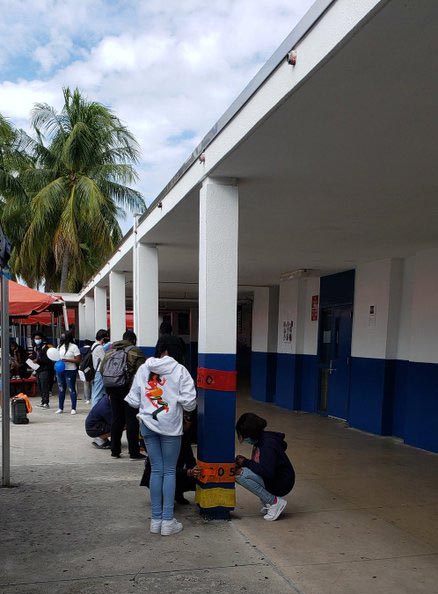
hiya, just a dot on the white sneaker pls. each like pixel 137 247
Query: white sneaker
pixel 275 509
pixel 169 527
pixel 87 401
pixel 73 412
pixel 59 411
pixel 155 526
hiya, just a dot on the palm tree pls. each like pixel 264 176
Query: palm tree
pixel 14 200
pixel 82 159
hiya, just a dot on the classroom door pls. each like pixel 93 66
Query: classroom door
pixel 334 360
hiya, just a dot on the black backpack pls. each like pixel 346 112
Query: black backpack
pixel 116 373
pixel 19 411
pixel 86 365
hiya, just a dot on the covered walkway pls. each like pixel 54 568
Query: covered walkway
pixel 363 517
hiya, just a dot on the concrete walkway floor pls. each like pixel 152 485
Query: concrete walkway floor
pixel 362 518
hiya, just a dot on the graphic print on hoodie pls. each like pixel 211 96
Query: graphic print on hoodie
pixel 162 389
pixel 154 393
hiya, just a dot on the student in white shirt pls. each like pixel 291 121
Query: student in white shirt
pixel 98 350
pixel 71 356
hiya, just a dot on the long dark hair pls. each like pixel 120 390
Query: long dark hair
pixel 250 425
pixel 68 339
pixel 172 345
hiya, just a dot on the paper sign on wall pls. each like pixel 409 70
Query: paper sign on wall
pixel 287 330
pixel 315 308
pixel 372 317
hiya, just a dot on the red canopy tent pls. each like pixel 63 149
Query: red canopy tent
pixel 24 301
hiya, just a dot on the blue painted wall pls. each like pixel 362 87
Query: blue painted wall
pixel 289 381
pixel 263 376
pixel 421 406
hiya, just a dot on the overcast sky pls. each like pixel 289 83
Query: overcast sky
pixel 168 68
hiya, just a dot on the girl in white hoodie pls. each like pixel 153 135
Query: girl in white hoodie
pixel 162 389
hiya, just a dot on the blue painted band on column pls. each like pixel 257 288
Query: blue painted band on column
pixel 216 437
pixel 217 361
pixel 148 351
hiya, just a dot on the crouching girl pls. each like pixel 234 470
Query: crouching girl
pixel 269 474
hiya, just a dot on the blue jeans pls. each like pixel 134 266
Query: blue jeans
pixel 98 389
pixel 67 379
pixel 254 483
pixel 163 453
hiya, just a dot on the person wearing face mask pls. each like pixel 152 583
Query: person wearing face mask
pixel 44 373
pixel 269 473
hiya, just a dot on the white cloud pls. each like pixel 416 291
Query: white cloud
pixel 168 69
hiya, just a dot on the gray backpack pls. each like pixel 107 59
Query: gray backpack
pixel 115 373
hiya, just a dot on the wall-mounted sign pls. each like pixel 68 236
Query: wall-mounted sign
pixel 372 316
pixel 315 308
pixel 287 330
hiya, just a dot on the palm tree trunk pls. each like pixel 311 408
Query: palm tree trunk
pixel 64 271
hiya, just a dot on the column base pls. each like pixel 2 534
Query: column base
pixel 215 513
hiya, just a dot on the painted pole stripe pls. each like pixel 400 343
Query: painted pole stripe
pixel 216 472
pixel 218 497
pixel 214 379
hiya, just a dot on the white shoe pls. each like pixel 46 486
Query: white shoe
pixel 59 411
pixel 275 509
pixel 155 526
pixel 87 401
pixel 169 527
pixel 73 412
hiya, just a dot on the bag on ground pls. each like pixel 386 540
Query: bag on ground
pixel 19 411
pixel 116 373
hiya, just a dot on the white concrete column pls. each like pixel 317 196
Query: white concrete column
pixel 264 342
pixel 218 236
pixel 89 317
pixel 375 340
pixel 100 309
pixel 218 266
pixel 117 305
pixel 377 303
pixel 82 322
pixel 145 290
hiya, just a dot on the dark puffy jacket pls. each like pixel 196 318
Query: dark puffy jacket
pixel 269 460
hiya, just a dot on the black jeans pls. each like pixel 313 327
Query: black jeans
pixel 123 414
pixel 44 381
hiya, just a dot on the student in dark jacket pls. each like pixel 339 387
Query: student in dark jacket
pixel 98 423
pixel 269 474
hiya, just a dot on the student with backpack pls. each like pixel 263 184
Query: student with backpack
pixel 98 355
pixel 118 369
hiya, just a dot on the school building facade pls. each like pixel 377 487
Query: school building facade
pixel 313 204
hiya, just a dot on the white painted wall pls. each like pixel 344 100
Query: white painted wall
pixel 265 319
pixel 424 327
pixel 377 284
pixel 296 304
pixel 405 330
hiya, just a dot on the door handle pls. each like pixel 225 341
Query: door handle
pixel 331 368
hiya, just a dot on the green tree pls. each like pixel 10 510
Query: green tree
pixel 14 200
pixel 78 183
